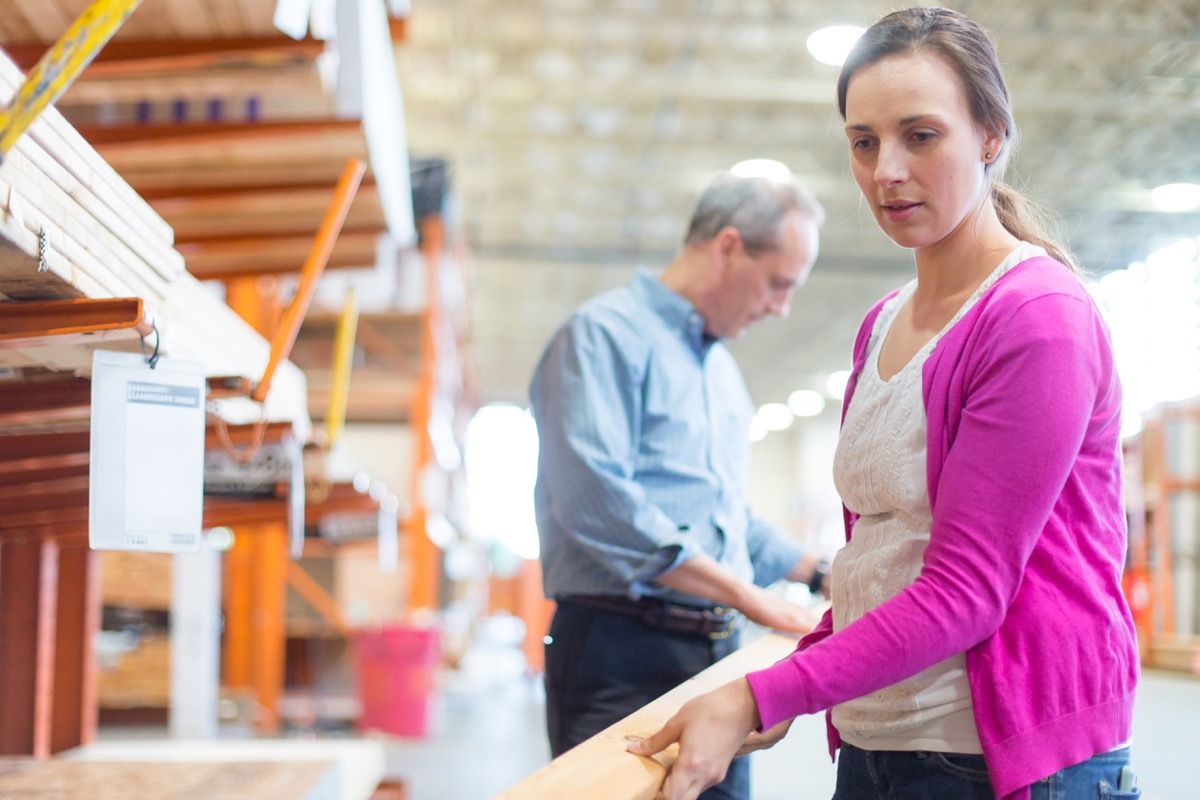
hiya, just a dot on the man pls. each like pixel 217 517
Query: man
pixel 647 545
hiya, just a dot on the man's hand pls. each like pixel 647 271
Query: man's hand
pixel 775 611
pixel 710 730
pixel 702 576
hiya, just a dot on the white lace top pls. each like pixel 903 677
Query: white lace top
pixel 879 470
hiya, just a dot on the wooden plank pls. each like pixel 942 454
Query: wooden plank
pixel 28 591
pixel 58 139
pixel 45 401
pixel 140 56
pixel 601 767
pixel 232 84
pixel 179 780
pixel 26 273
pixel 74 714
pixel 265 255
pixel 50 186
pixel 262 211
pixel 54 199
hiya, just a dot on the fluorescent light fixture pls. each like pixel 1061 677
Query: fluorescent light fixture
pixel 831 45
pixel 762 168
pixel 806 403
pixel 1176 197
pixel 775 416
pixel 836 385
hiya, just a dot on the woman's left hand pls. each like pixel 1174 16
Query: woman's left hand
pixel 711 729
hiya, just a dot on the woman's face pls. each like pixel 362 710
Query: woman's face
pixel 916 153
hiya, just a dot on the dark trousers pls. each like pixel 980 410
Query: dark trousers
pixel 601 667
pixel 910 775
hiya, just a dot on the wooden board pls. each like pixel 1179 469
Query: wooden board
pixel 70 780
pixel 601 767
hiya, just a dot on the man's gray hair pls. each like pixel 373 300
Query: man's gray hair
pixel 755 206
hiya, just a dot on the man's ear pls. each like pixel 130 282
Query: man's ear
pixel 725 245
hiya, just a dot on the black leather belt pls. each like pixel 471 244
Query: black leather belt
pixel 714 623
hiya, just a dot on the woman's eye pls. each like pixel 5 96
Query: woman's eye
pixel 922 136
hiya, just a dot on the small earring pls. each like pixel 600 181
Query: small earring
pixel 987 156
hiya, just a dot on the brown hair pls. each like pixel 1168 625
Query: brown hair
pixel 970 50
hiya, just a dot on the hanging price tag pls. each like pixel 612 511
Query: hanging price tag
pixel 147 459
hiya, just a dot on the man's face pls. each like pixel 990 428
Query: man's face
pixel 755 286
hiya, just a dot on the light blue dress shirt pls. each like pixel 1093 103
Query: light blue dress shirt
pixel 643 424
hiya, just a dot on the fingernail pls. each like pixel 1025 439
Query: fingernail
pixel 635 741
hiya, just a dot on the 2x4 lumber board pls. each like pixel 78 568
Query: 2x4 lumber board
pixel 262 255
pixel 27 274
pixel 23 452
pixel 28 594
pixel 31 403
pixel 234 85
pixel 38 172
pixel 56 136
pixel 105 277
pixel 122 139
pixel 12 478
pixel 601 767
pixel 55 200
pixel 54 321
pixel 162 780
pixel 263 212
pixel 46 490
pixel 133 57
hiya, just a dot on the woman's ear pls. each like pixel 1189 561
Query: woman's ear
pixel 992 144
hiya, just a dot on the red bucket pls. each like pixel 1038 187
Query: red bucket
pixel 396 671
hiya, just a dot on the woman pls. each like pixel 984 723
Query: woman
pixel 978 645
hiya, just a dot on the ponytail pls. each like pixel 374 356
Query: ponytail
pixel 1027 221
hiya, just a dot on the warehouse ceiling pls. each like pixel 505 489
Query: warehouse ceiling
pixel 578 135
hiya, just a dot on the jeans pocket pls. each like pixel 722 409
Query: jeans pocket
pixel 1107 792
pixel 960 765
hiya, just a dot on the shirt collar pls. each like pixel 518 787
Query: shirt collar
pixel 672 308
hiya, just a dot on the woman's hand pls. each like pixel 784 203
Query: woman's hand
pixel 711 729
pixel 764 740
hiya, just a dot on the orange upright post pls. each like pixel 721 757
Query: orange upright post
pixel 422 553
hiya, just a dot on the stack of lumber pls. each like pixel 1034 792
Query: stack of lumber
pixel 71 227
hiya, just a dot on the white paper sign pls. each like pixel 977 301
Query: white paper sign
pixel 147 460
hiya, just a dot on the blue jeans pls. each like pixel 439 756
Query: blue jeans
pixel 922 775
pixel 1098 778
pixel 601 667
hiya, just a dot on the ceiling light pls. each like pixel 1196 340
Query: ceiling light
pixel 1176 197
pixel 836 385
pixel 831 45
pixel 775 416
pixel 762 168
pixel 806 403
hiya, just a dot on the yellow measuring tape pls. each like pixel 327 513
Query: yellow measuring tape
pixel 61 64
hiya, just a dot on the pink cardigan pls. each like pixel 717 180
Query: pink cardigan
pixel 1023 567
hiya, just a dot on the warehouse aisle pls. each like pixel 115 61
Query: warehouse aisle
pixel 487 734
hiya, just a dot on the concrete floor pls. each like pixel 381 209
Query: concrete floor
pixel 492 710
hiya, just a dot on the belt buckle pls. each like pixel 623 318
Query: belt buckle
pixel 727 631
